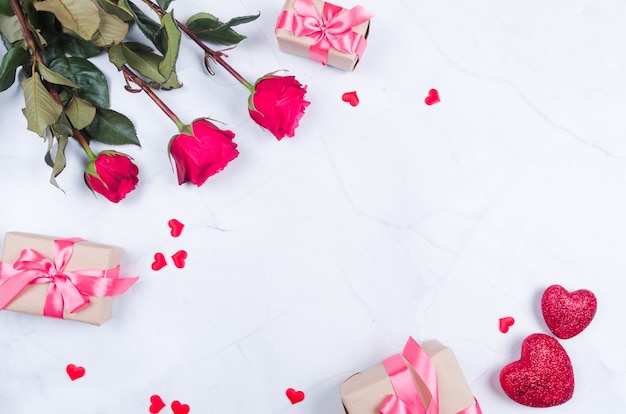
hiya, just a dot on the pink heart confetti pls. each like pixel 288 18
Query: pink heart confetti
pixel 179 408
pixel 506 323
pixel 351 98
pixel 294 396
pixel 159 262
pixel 156 404
pixel 179 258
pixel 75 372
pixel 433 97
pixel 176 227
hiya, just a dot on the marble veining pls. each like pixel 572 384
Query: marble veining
pixel 312 258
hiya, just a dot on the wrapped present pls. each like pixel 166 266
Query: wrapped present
pixel 423 379
pixel 323 32
pixel 62 278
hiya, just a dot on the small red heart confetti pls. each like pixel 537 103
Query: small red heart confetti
pixel 176 227
pixel 294 396
pixel 179 258
pixel 506 323
pixel 567 314
pixel 179 408
pixel 432 98
pixel 156 405
pixel 351 98
pixel 75 372
pixel 543 377
pixel 159 261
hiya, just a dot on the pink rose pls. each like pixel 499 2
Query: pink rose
pixel 277 104
pixel 202 154
pixel 112 174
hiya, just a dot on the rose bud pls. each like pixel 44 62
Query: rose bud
pixel 112 174
pixel 204 153
pixel 278 104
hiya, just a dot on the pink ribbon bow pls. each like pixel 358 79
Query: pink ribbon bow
pixel 406 399
pixel 67 289
pixel 331 28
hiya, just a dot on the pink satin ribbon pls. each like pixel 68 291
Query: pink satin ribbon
pixel 331 29
pixel 406 399
pixel 67 289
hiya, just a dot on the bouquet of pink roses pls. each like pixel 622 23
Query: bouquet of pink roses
pixel 49 44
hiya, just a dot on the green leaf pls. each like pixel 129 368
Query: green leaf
pixel 58 164
pixel 65 96
pixel 111 31
pixel 11 29
pixel 62 128
pixel 148 27
pixel 13 59
pixel 52 52
pixel 80 112
pixel 111 127
pixel 92 84
pixel 172 34
pixel 119 9
pixel 172 82
pixel 5 8
pixel 224 37
pixel 208 28
pixel 41 109
pixel 78 16
pixel 75 46
pixel 236 21
pixel 164 4
pixel 48 157
pixel 53 77
pixel 139 57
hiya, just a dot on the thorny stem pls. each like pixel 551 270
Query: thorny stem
pixel 216 56
pixel 143 85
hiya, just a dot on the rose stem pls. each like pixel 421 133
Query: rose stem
pixel 30 41
pixel 17 9
pixel 216 56
pixel 83 143
pixel 130 76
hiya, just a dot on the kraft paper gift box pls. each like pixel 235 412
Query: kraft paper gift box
pixel 367 392
pixel 93 267
pixel 324 32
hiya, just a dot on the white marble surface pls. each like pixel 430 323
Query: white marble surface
pixel 315 257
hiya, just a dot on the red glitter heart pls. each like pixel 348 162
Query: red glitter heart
pixel 432 98
pixel 351 98
pixel 567 314
pixel 179 258
pixel 179 408
pixel 75 372
pixel 159 261
pixel 156 405
pixel 294 396
pixel 506 323
pixel 543 377
pixel 176 227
